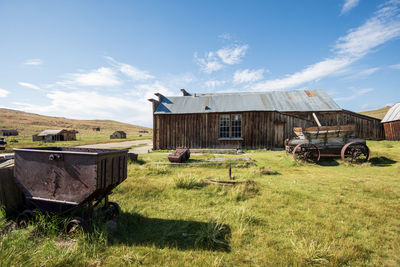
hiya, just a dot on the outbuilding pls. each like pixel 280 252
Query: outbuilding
pixel 248 120
pixel 118 135
pixel 391 123
pixel 55 135
pixel 8 132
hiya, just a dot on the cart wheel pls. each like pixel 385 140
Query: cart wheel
pixel 112 210
pixel 355 152
pixel 24 218
pixel 306 153
pixel 75 224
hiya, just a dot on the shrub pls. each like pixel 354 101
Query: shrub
pixel 188 182
pixel 213 235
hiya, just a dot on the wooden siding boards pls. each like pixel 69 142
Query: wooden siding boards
pixel 259 128
pixel 202 130
pixel 392 130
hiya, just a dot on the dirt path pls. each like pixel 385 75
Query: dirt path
pixel 144 145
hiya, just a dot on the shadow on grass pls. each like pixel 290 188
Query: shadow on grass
pixel 382 161
pixel 135 229
pixel 138 161
pixel 328 162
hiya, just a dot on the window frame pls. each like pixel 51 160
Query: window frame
pixel 234 131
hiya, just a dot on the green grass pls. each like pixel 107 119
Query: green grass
pixel 304 214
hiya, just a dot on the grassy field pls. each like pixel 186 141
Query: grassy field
pixel 378 113
pixel 332 213
pixel 29 124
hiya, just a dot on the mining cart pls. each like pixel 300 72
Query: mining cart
pixel 58 180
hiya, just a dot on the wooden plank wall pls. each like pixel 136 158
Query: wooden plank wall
pixel 366 127
pixel 202 130
pixel 392 130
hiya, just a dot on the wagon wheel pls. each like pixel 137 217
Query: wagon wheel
pixel 306 152
pixel 112 210
pixel 75 224
pixel 355 152
pixel 24 218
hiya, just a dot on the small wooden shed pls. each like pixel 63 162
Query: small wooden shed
pixel 118 135
pixel 391 123
pixel 8 132
pixel 55 135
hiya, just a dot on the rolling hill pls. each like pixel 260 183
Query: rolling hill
pixel 378 113
pixel 28 124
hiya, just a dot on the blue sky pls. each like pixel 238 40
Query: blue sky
pixel 104 59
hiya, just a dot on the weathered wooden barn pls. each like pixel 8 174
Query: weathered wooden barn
pixel 8 132
pixel 391 123
pixel 118 135
pixel 247 120
pixel 55 135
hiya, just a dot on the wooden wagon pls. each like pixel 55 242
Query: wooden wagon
pixel 312 143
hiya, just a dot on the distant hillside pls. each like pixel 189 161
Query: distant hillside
pixel 379 113
pixel 28 124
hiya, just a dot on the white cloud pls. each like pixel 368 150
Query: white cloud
pixel 363 73
pixel 311 73
pixel 216 60
pixel 33 62
pixel 368 72
pixel 92 105
pixel 348 5
pixel 247 76
pixel 99 77
pixel 146 91
pixel 395 66
pixel 357 93
pixel 225 36
pixel 209 63
pixel 3 93
pixel 132 72
pixel 232 55
pixel 215 83
pixel 29 85
pixel 381 28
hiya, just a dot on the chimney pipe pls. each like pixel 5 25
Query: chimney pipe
pixel 184 92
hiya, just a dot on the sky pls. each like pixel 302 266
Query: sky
pixel 104 59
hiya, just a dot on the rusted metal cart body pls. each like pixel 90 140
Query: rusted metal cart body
pixel 312 143
pixel 180 155
pixel 60 179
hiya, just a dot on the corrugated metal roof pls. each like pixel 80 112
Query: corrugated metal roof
pixel 393 114
pixel 308 100
pixel 49 132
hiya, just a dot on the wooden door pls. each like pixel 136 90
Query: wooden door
pixel 279 134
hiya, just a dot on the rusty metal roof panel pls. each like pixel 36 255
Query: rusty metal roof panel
pixel 299 100
pixel 393 114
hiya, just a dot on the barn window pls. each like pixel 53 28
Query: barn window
pixel 224 121
pixel 230 126
pixel 236 126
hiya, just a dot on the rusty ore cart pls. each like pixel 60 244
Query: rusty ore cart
pixel 58 180
pixel 312 143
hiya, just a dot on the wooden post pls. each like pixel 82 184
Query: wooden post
pixel 316 119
